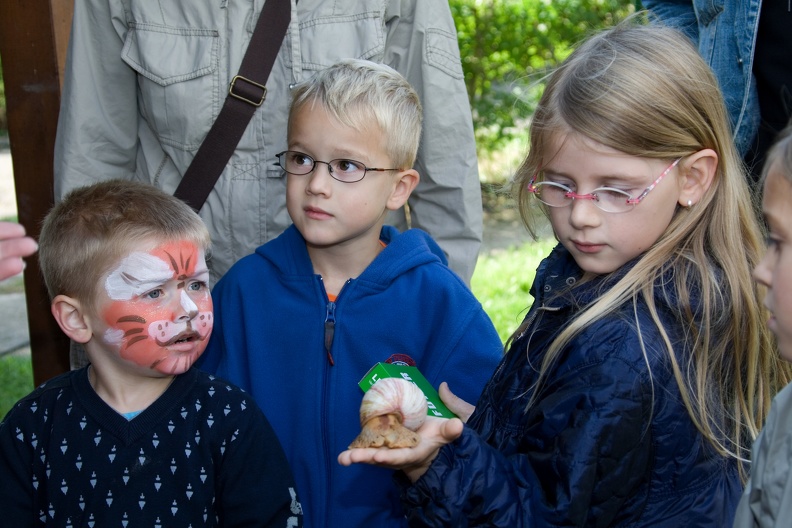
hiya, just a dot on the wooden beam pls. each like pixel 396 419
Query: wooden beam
pixel 33 39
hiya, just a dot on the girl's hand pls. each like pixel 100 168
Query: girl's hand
pixel 414 461
pixel 454 403
pixel 13 246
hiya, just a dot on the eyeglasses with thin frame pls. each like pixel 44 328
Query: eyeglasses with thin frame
pixel 343 170
pixel 608 199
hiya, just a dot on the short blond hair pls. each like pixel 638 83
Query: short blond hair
pixel 83 236
pixel 780 153
pixel 361 93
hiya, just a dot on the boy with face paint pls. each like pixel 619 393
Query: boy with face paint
pixel 138 436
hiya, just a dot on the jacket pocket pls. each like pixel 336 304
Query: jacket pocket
pixel 442 52
pixel 355 37
pixel 178 80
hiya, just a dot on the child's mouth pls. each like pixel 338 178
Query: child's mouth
pixel 187 336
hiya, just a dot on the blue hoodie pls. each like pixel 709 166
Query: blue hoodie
pixel 273 319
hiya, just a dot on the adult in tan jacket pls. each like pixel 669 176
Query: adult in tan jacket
pixel 145 80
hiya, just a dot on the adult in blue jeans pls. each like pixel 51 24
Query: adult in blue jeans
pixel 746 43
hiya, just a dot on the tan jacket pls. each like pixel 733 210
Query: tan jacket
pixel 145 80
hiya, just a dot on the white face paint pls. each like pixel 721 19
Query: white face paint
pixel 158 309
pixel 166 331
pixel 187 303
pixel 137 273
pixel 114 336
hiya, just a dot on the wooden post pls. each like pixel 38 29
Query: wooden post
pixel 33 41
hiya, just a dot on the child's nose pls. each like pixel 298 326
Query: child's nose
pixel 583 213
pixel 320 178
pixel 188 309
pixel 762 273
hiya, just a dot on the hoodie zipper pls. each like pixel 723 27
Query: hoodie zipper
pixel 329 331
pixel 329 323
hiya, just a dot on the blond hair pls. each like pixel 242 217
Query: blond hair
pixel 362 94
pixel 646 91
pixel 83 236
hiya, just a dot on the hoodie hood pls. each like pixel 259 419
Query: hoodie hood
pixel 403 252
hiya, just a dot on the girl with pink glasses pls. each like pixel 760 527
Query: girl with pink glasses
pixel 632 390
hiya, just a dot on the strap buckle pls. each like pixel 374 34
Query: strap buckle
pixel 247 96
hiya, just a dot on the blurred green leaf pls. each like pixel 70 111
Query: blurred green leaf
pixel 508 46
pixel 503 279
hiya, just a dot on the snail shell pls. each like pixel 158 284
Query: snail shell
pixel 391 410
pixel 395 396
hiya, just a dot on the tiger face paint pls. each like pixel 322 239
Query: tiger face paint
pixel 158 308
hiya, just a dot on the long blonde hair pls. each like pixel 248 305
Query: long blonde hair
pixel 646 91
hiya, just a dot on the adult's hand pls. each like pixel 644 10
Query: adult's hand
pixel 414 461
pixel 13 246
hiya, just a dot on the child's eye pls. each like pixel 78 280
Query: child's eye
pixel 551 178
pixel 153 294
pixel 345 165
pixel 196 286
pixel 627 189
pixel 299 159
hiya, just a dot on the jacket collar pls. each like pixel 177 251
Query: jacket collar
pixel 557 277
pixel 403 252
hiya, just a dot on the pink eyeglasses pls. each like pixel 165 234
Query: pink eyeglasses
pixel 607 199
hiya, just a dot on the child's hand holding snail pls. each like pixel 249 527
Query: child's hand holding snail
pixel 414 461
pixel 396 431
pixel 454 403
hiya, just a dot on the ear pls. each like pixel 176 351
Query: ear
pixel 406 181
pixel 68 312
pixel 697 172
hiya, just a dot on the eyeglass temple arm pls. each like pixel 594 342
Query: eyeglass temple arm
pixel 654 183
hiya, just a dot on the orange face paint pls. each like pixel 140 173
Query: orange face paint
pixel 159 313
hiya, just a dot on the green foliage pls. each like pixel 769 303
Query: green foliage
pixel 12 285
pixel 508 46
pixel 502 281
pixel 16 381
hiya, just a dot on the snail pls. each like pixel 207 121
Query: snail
pixel 391 411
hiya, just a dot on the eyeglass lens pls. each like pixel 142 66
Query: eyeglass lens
pixel 344 170
pixel 607 199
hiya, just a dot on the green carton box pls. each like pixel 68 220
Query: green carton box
pixel 393 370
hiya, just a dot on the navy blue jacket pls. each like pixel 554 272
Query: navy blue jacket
pixel 608 442
pixel 272 317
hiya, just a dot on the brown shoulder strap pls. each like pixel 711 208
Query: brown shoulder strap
pixel 245 93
